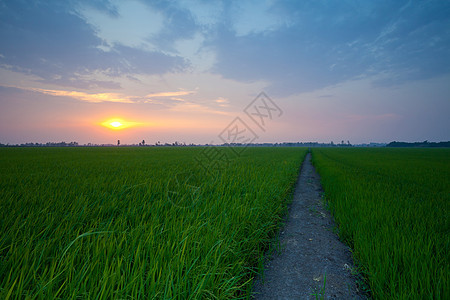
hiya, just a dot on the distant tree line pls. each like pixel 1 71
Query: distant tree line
pixel 182 144
pixel 424 144
pixel 284 144
pixel 48 144
pixel 291 144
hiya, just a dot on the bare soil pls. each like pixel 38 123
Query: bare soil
pixel 312 262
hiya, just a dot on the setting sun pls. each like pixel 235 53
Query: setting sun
pixel 118 124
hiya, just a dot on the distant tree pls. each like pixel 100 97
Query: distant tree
pixel 118 142
pixel 418 144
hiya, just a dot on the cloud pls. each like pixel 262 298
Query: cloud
pixel 222 102
pixel 254 17
pixel 137 61
pixel 295 46
pixel 204 13
pixel 170 94
pixel 50 40
pixel 93 98
pixel 131 25
pixel 80 83
pixel 177 99
pixel 324 43
pixel 85 97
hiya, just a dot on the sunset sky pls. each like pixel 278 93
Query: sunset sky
pixel 363 71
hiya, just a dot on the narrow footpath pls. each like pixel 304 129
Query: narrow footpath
pixel 312 263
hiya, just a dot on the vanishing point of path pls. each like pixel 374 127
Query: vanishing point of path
pixel 310 251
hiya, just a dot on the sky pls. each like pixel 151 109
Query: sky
pixel 224 71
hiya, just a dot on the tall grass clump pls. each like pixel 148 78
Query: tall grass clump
pixel 137 223
pixel 392 208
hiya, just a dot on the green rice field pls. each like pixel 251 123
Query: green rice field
pixel 392 208
pixel 137 223
pixel 152 223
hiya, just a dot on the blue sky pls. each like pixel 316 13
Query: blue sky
pixel 183 70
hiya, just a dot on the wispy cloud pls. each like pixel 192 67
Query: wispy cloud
pixel 82 96
pixel 177 99
pixel 170 94
pixel 222 102
pixel 94 98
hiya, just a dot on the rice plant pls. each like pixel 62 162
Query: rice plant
pixel 137 223
pixel 392 208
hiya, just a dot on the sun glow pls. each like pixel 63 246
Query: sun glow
pixel 118 124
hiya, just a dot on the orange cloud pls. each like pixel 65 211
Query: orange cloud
pixel 221 100
pixel 94 98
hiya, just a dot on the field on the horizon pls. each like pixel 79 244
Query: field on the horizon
pixel 138 223
pixel 153 223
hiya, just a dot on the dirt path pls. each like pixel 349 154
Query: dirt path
pixel 310 251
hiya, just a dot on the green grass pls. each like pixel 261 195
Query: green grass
pixel 137 223
pixel 392 208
